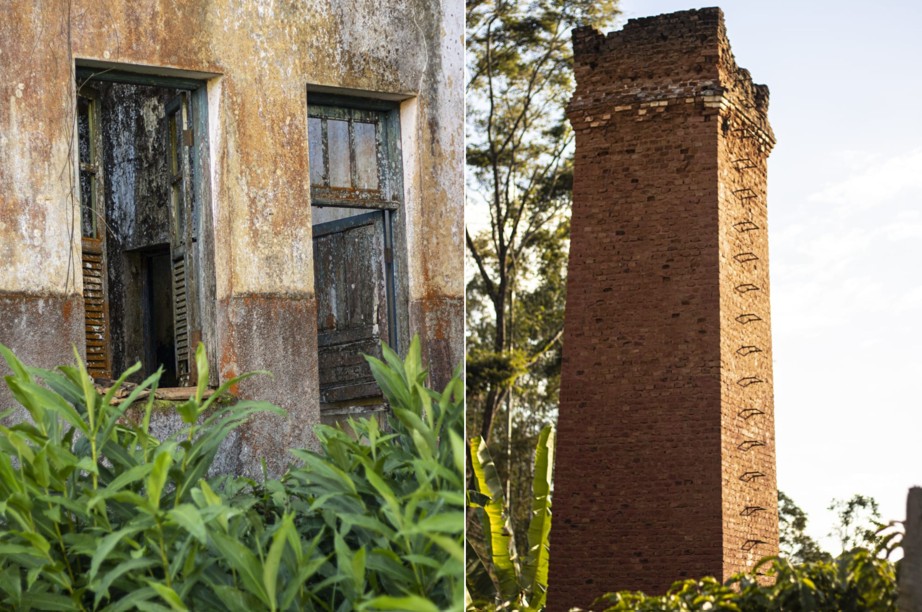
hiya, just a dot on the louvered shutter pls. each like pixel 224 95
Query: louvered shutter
pixel 180 140
pixel 96 312
pixel 93 236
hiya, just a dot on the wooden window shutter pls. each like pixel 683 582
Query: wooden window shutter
pixel 93 236
pixel 182 238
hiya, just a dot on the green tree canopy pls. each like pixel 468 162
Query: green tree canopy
pixel 519 160
pixel 859 522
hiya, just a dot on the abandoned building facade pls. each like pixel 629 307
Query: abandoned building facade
pixel 665 457
pixel 281 181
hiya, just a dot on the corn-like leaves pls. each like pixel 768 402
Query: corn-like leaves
pixel 497 528
pixel 534 572
pixel 520 583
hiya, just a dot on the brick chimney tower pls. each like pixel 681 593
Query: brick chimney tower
pixel 666 445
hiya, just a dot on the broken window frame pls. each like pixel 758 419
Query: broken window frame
pixel 386 200
pixel 197 238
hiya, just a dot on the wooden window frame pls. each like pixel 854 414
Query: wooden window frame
pixel 386 203
pixel 199 240
pixel 389 198
pixel 386 116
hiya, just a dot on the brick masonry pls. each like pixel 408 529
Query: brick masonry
pixel 665 455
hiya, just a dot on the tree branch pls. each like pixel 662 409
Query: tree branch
pixel 478 259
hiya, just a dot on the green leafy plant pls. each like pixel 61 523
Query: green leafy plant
pixel 98 514
pixel 97 511
pixel 856 580
pixel 499 578
pixel 392 502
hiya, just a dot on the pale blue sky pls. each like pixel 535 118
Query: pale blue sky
pixel 845 222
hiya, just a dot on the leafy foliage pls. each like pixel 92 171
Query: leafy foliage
pixel 498 576
pixel 859 521
pixel 393 502
pixel 856 580
pixel 795 544
pixel 99 514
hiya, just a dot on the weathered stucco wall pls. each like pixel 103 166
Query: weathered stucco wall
pixel 266 54
pixel 41 312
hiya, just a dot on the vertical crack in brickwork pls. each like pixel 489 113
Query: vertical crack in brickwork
pixel 665 461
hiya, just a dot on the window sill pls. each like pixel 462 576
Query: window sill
pixel 172 394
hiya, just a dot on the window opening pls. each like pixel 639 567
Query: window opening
pixel 356 189
pixel 139 196
pixel 180 139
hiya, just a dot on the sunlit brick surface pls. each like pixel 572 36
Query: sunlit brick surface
pixel 665 454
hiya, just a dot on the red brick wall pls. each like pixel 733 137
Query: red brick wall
pixel 651 444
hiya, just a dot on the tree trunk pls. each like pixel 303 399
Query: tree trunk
pixel 497 392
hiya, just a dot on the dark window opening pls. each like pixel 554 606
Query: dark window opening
pixel 157 314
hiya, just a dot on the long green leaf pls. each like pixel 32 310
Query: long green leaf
pixel 221 391
pixel 132 601
pixel 135 474
pixel 47 601
pixel 408 603
pixel 534 574
pixel 234 600
pixel 107 398
pixel 130 566
pixel 189 518
pixel 243 562
pixel 168 595
pixel 392 384
pixel 500 530
pixel 274 559
pixel 149 383
pixel 60 383
pixel 11 583
pixel 305 570
pixel 37 400
pixel 105 547
pixel 358 572
pixel 19 370
pixel 90 396
pixel 384 490
pixel 201 364
pixel 157 478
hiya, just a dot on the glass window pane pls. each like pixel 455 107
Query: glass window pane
pixel 87 216
pixel 338 147
pixel 315 149
pixel 366 156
